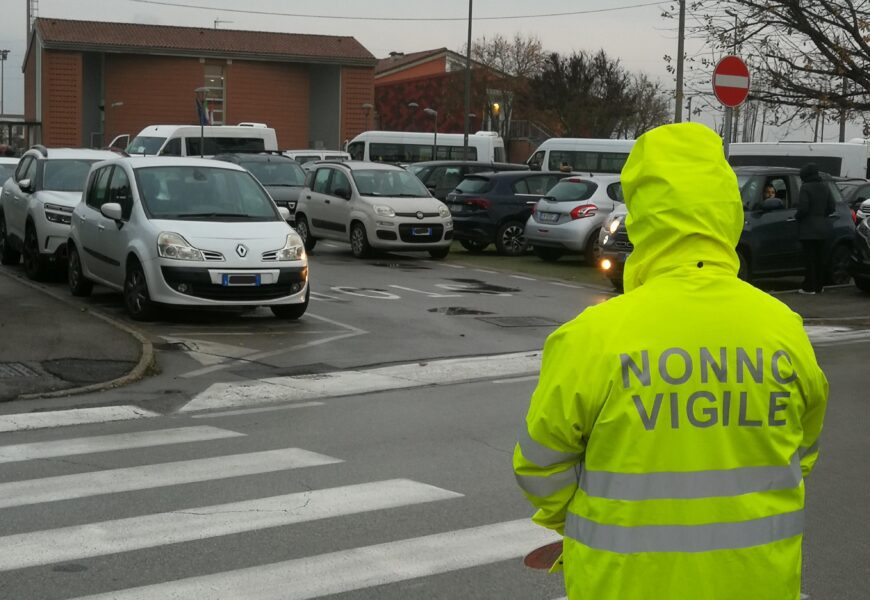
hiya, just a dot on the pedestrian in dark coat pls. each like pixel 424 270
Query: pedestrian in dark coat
pixel 815 229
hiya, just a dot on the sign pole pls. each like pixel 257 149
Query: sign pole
pixel 731 86
pixel 729 116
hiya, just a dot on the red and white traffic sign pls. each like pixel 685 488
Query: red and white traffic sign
pixel 731 81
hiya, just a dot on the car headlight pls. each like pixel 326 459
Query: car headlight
pixel 384 211
pixel 614 225
pixel 294 248
pixel 443 211
pixel 171 245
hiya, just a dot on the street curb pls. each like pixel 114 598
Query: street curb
pixel 146 356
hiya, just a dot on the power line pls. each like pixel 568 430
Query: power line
pixel 352 18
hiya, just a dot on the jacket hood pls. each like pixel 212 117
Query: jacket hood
pixel 683 203
pixel 810 172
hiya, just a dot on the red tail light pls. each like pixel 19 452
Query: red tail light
pixel 583 211
pixel 854 216
pixel 534 208
pixel 478 202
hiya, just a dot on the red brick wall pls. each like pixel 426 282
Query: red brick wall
pixel 154 90
pixel 62 98
pixel 357 88
pixel 432 67
pixel 271 93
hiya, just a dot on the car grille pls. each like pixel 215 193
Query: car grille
pixel 620 240
pixel 406 235
pixel 212 256
pixel 197 283
pixel 413 215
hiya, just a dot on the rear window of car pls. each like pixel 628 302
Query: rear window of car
pixel 474 185
pixel 571 191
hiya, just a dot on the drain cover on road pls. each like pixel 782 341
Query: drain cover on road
pixel 520 321
pixel 10 370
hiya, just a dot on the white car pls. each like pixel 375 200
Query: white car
pixel 372 205
pixel 36 202
pixel 569 217
pixel 185 231
pixel 7 168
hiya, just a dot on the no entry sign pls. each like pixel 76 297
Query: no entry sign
pixel 731 81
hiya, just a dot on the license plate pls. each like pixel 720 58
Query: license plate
pixel 421 231
pixel 546 217
pixel 230 279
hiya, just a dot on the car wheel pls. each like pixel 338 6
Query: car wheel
pixel 863 283
pixel 359 242
pixel 137 299
pixel 743 270
pixel 291 311
pixel 618 284
pixel 8 256
pixel 593 249
pixel 79 285
pixel 473 245
pixel 34 263
pixel 547 254
pixel 304 232
pixel 439 253
pixel 510 240
pixel 838 269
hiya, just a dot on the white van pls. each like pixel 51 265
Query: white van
pixel 183 140
pixel 841 159
pixel 304 156
pixel 402 147
pixel 587 155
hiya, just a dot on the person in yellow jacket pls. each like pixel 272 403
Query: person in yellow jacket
pixel 671 427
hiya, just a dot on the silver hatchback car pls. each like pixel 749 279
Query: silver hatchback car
pixel 570 216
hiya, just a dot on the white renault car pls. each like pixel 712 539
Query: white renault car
pixel 185 231
pixel 372 205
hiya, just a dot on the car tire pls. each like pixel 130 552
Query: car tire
pixel 137 298
pixel 474 246
pixel 618 284
pixel 79 285
pixel 439 253
pixel 8 255
pixel 743 270
pixel 359 241
pixel 547 254
pixel 304 231
pixel 838 266
pixel 863 283
pixel 291 311
pixel 510 239
pixel 35 266
pixel 593 249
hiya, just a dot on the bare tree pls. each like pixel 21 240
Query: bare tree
pixel 650 107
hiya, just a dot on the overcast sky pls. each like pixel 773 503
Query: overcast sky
pixel 638 36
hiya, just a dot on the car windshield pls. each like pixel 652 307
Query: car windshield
pixel 395 183
pixel 145 145
pixel 66 175
pixel 473 185
pixel 203 194
pixel 278 173
pixel 571 191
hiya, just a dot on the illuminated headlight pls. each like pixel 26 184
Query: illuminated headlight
pixel 384 211
pixel 171 245
pixel 58 214
pixel 443 211
pixel 605 240
pixel 294 248
pixel 606 265
pixel 614 225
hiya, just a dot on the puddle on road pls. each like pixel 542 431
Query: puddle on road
pixel 476 286
pixel 452 311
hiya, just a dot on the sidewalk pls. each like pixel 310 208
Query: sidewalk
pixel 47 345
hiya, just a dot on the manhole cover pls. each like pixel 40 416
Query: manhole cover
pixel 520 321
pixel 10 370
pixel 452 311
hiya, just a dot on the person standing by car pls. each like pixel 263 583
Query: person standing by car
pixel 670 453
pixel 815 203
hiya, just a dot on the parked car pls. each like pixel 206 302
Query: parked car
pixel 769 245
pixel 859 266
pixel 185 231
pixel 7 168
pixel 442 176
pixel 494 207
pixel 855 191
pixel 306 156
pixel 863 211
pixel 36 204
pixel 282 177
pixel 372 205
pixel 570 216
pixel 185 140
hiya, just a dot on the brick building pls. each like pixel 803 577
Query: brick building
pixel 87 82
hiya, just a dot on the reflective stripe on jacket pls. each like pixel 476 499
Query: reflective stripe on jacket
pixel 672 426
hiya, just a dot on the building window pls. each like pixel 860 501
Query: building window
pixel 215 93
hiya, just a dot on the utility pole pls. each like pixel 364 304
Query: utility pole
pixel 678 113
pixel 843 110
pixel 4 54
pixel 467 86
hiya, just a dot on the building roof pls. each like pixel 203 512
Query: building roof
pixel 399 60
pixel 62 34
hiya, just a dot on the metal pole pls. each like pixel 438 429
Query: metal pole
pixel 678 113
pixel 843 111
pixel 467 85
pixel 727 133
pixel 3 55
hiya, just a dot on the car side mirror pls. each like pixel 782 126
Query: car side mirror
pixel 111 210
pixel 769 204
pixel 26 186
pixel 284 212
pixel 534 166
pixel 343 193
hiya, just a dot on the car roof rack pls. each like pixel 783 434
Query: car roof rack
pixel 41 149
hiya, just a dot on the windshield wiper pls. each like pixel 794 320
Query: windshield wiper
pixel 408 196
pixel 370 194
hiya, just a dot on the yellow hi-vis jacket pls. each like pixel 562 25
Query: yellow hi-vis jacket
pixel 672 426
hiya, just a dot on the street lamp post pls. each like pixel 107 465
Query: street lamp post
pixel 4 54
pixel 434 113
pixel 467 85
pixel 203 117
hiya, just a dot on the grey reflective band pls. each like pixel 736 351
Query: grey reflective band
pixel 684 538
pixel 549 485
pixel 540 454
pixel 807 451
pixel 690 484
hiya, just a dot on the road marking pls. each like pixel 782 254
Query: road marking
pixel 823 335
pixel 82 485
pixel 76 416
pixel 358 568
pixel 320 296
pixel 210 353
pixel 204 522
pixel 448 265
pixel 248 411
pixel 108 443
pixel 566 285
pixel 485 271
pixel 364 293
pixel 354 382
pixel 523 277
pixel 517 379
pixel 429 294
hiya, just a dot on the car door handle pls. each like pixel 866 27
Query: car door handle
pixel 101 227
pixel 327 201
pixel 82 219
pixel 308 197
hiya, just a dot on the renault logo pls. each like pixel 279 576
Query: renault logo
pixel 419 215
pixel 242 250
